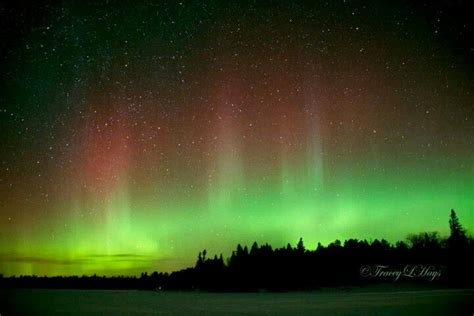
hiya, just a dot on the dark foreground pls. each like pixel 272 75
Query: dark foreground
pixel 369 301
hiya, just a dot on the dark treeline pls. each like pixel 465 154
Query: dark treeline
pixel 260 267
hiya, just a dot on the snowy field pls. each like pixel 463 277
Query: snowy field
pixel 370 301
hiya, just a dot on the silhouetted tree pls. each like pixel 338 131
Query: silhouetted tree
pixel 426 240
pixel 457 238
pixel 200 261
pixel 300 246
pixel 254 248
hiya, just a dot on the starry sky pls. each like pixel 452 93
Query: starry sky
pixel 135 135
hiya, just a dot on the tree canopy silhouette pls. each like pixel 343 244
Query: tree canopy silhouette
pixel 295 268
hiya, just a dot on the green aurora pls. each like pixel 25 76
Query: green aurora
pixel 132 141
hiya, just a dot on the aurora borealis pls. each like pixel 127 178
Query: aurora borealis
pixel 135 135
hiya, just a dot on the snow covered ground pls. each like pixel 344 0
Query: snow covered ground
pixel 368 301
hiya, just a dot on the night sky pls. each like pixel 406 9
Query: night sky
pixel 135 135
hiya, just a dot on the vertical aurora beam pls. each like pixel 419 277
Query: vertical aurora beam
pixel 315 161
pixel 107 158
pixel 101 222
pixel 301 171
pixel 226 171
